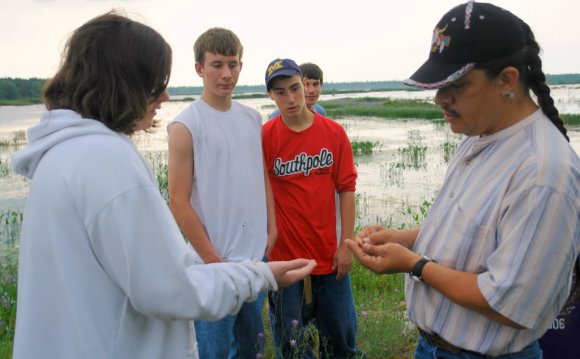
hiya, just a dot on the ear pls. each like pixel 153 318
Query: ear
pixel 509 79
pixel 241 65
pixel 199 69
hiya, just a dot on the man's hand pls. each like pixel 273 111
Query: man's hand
pixel 383 258
pixel 289 272
pixel 377 235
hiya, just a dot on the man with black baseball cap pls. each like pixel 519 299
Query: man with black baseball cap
pixel 490 268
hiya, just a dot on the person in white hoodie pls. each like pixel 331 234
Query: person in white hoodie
pixel 104 271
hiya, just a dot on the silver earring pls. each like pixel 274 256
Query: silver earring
pixel 510 95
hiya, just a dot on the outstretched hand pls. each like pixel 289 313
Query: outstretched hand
pixel 288 272
pixel 383 258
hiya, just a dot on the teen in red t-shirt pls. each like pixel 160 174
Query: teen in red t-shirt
pixel 309 159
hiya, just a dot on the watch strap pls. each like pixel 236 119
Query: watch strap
pixel 417 271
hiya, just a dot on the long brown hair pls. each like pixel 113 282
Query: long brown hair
pixel 111 69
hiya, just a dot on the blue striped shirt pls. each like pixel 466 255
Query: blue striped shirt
pixel 509 211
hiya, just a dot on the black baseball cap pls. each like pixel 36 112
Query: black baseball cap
pixel 469 34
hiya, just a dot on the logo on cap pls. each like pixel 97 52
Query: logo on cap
pixel 440 41
pixel 275 66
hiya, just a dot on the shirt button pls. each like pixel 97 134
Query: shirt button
pixel 468 162
pixel 451 195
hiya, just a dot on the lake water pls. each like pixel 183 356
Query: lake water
pixel 405 169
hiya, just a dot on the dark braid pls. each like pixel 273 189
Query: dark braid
pixel 536 81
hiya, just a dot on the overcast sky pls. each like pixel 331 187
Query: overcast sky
pixel 352 40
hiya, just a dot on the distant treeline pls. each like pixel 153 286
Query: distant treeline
pixel 21 89
pixel 14 91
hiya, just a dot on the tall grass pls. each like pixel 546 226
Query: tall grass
pixel 8 284
pixel 10 225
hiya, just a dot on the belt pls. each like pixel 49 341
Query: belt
pixel 436 340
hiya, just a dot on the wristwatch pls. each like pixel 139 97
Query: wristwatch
pixel 418 268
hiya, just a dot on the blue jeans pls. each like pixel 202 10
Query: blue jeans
pixel 331 312
pixel 235 336
pixel 428 351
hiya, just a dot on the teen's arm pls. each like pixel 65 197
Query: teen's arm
pixel 342 260
pixel 270 205
pixel 180 178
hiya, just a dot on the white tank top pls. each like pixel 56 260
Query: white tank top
pixel 228 191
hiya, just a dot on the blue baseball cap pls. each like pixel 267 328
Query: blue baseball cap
pixel 281 67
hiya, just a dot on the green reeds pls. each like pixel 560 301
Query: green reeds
pixel 363 147
pixel 158 162
pixel 5 168
pixel 413 155
pixel 10 224
pixel 448 150
pixel 14 140
pixel 416 217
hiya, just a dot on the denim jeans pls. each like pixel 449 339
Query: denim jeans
pixel 238 336
pixel 331 312
pixel 427 351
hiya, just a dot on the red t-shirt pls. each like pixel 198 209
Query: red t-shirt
pixel 306 169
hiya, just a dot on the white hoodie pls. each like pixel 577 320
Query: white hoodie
pixel 104 271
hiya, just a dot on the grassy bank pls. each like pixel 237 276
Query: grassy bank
pixel 380 107
pixel 398 109
pixel 570 119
